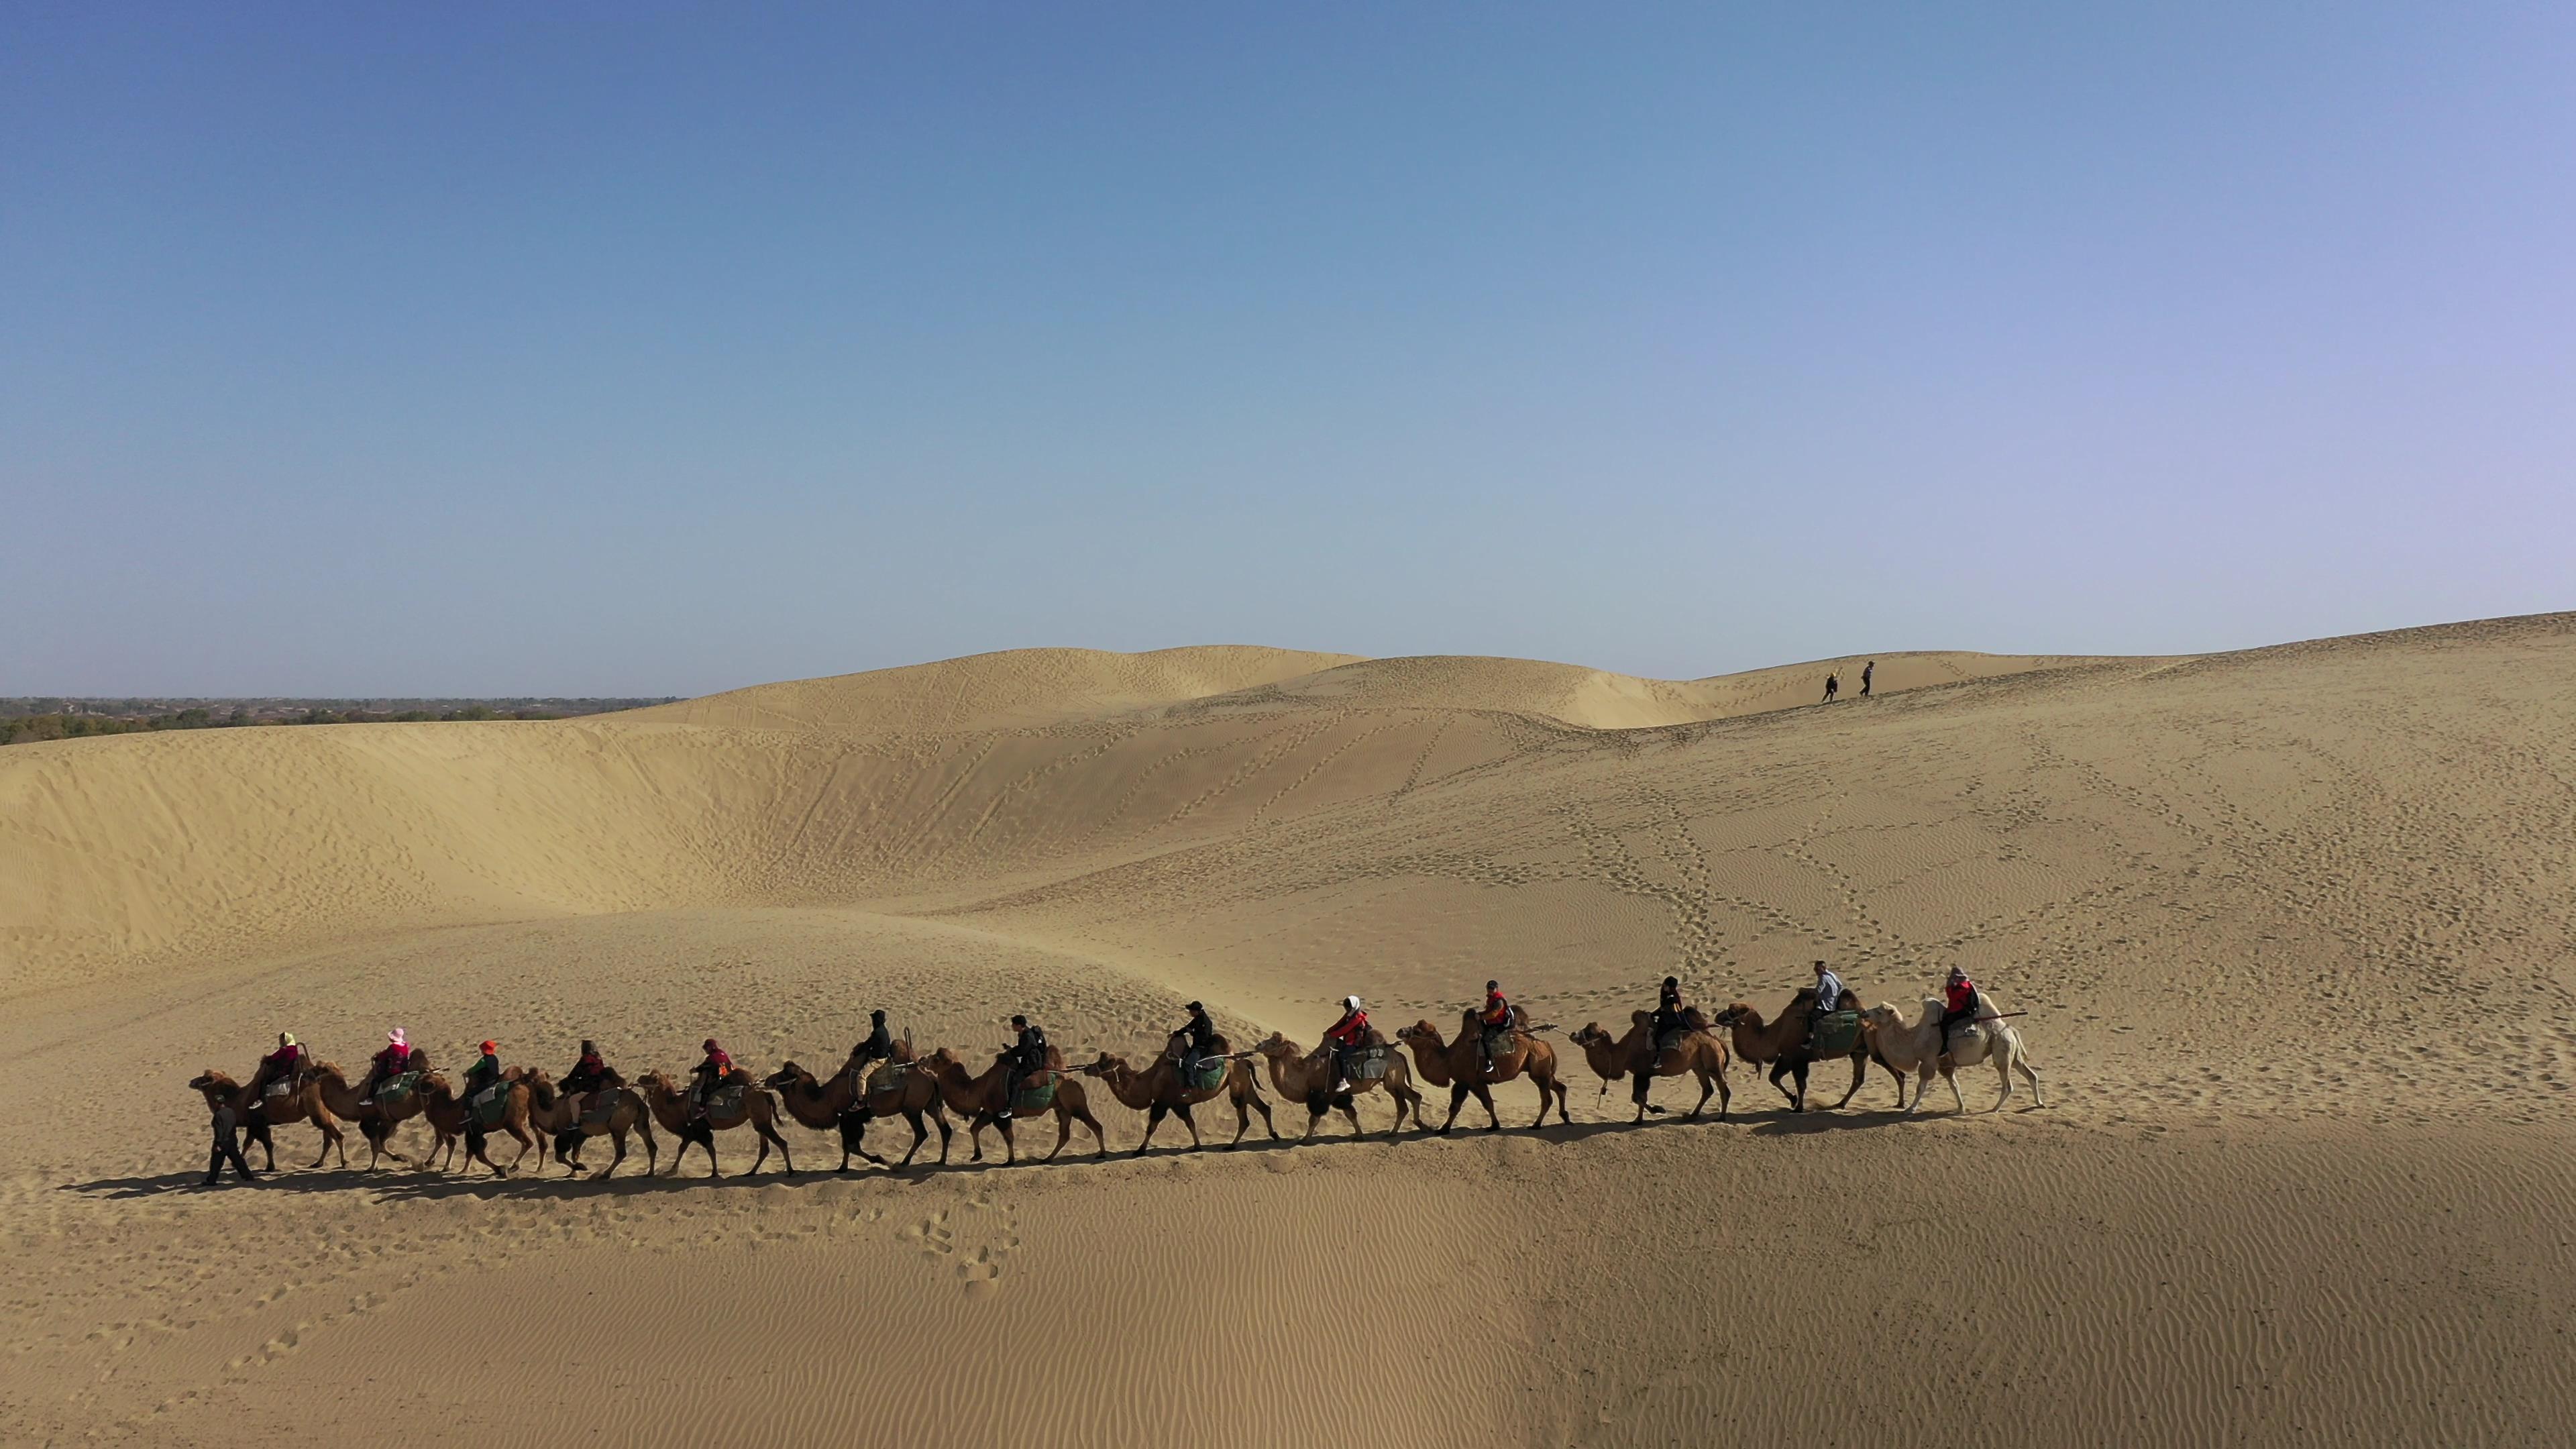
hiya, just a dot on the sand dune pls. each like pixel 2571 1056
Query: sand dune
pixel 2292 925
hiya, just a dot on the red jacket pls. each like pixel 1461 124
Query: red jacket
pixel 1351 1030
pixel 393 1060
pixel 1960 995
pixel 1497 1010
pixel 717 1066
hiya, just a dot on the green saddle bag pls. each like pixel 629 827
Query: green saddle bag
pixel 1035 1096
pixel 395 1088
pixel 1207 1075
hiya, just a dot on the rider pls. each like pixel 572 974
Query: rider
pixel 1347 1035
pixel 1829 998
pixel 708 1075
pixel 879 1047
pixel 393 1061
pixel 1496 1018
pixel 1027 1054
pixel 588 1074
pixel 485 1071
pixel 1195 1041
pixel 1666 1020
pixel 1961 1003
pixel 277 1066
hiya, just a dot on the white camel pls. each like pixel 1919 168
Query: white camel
pixel 1916 1047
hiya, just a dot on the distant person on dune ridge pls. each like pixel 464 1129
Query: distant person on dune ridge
pixel 1833 685
pixel 1866 671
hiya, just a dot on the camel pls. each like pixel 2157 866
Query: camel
pixel 298 1104
pixel 1308 1077
pixel 844 1105
pixel 448 1114
pixel 1461 1067
pixel 554 1114
pixel 1783 1044
pixel 1916 1046
pixel 677 1115
pixel 377 1119
pixel 979 1101
pixel 1699 1053
pixel 1158 1091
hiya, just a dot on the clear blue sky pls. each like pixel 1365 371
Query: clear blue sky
pixel 640 349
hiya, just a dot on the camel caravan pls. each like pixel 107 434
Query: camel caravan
pixel 884 1079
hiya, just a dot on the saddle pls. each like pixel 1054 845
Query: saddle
pixel 726 1099
pixel 283 1086
pixel 888 1079
pixel 1832 1034
pixel 490 1105
pixel 1367 1062
pixel 1671 1041
pixel 395 1088
pixel 603 1105
pixel 1206 1075
pixel 1035 1094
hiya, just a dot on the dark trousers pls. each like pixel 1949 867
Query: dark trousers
pixel 226 1150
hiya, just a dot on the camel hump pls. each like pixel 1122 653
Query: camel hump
pixel 1694 1018
pixel 1640 1018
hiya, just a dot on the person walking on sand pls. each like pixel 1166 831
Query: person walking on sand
pixel 1866 671
pixel 1833 685
pixel 227 1147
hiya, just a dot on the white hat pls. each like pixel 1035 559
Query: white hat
pixel 1350 1003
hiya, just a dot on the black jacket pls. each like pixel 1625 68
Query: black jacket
pixel 877 1048
pixel 1031 1052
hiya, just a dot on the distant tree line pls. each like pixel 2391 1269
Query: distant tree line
pixel 27 720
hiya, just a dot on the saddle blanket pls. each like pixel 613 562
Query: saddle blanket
pixel 724 1101
pixel 1368 1064
pixel 888 1079
pixel 279 1088
pixel 1034 1096
pixel 394 1089
pixel 491 1104
pixel 1206 1075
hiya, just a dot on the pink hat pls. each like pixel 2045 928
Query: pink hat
pixel 395 1036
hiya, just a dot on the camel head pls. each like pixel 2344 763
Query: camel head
pixel 1738 1012
pixel 654 1082
pixel 1108 1063
pixel 788 1075
pixel 211 1081
pixel 1275 1045
pixel 1590 1034
pixel 1421 1033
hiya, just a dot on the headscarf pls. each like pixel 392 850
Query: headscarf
pixel 1350 1003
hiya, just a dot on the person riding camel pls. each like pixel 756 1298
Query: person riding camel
pixel 1195 1042
pixel 485 1071
pixel 1829 999
pixel 277 1066
pixel 1497 1020
pixel 1668 1020
pixel 392 1062
pixel 1961 1004
pixel 589 1074
pixel 1026 1056
pixel 707 1076
pixel 1347 1036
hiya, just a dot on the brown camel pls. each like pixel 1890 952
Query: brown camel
pixel 1462 1067
pixel 557 1116
pixel 1158 1091
pixel 1698 1052
pixel 298 1104
pixel 448 1114
pixel 844 1104
pixel 979 1101
pixel 678 1116
pixel 376 1119
pixel 1309 1077
pixel 1783 1044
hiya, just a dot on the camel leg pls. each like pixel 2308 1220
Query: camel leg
pixel 1543 1085
pixel 1316 1106
pixel 616 1138
pixel 1705 1091
pixel 524 1144
pixel 2003 1074
pixel 2022 1065
pixel 1950 1074
pixel 1192 1123
pixel 770 1138
pixel 1406 1100
pixel 1099 1139
pixel 1457 1099
pixel 1860 1076
pixel 1153 1119
pixel 1485 1099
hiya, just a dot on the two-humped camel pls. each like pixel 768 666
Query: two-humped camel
pixel 1466 1071
pixel 1309 1077
pixel 901 1087
pixel 1916 1047
pixel 558 1116
pixel 980 1101
pixel 680 1117
pixel 1158 1091
pixel 270 1109
pixel 1695 1050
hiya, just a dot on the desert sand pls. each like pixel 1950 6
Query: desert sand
pixel 2295 929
